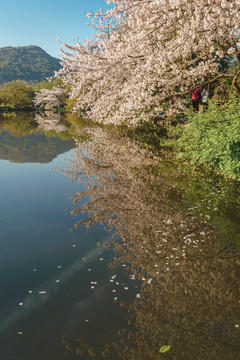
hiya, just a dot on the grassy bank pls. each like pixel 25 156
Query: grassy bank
pixel 210 138
pixel 213 139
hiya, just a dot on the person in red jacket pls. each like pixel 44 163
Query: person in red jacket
pixel 195 97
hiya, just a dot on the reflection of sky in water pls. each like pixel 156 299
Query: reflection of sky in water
pixel 55 281
pixel 47 286
pixel 34 299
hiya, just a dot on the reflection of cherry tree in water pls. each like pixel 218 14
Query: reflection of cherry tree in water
pixel 50 120
pixel 189 296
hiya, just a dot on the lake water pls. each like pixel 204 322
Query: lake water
pixel 173 263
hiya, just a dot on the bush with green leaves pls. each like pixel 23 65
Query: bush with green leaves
pixel 213 138
pixel 16 94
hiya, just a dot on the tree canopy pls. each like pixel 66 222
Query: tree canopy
pixel 49 98
pixel 16 94
pixel 147 52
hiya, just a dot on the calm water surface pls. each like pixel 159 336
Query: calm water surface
pixel 173 263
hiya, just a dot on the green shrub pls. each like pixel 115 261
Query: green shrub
pixel 213 138
pixel 16 94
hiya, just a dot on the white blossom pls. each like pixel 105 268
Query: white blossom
pixel 146 52
pixel 48 98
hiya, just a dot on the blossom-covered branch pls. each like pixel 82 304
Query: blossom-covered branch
pixel 145 52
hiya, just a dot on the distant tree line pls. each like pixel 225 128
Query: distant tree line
pixel 21 95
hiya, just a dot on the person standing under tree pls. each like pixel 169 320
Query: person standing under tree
pixel 204 95
pixel 220 95
pixel 195 97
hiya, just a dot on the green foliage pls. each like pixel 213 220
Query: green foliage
pixel 173 134
pixel 28 63
pixel 213 138
pixel 44 84
pixel 16 94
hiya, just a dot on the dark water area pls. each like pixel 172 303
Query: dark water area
pixel 153 261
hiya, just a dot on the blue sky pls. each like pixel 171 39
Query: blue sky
pixel 40 22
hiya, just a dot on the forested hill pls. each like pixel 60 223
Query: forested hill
pixel 29 63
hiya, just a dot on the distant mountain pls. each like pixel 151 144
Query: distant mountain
pixel 29 63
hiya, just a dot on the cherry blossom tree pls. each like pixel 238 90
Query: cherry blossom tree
pixel 145 53
pixel 48 98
